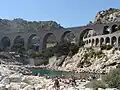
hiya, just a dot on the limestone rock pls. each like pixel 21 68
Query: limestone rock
pixel 5 80
pixel 110 59
pixel 107 16
pixel 15 78
pixel 2 87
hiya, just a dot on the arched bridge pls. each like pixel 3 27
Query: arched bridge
pixel 42 37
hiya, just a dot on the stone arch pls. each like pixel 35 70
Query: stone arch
pixel 106 30
pixel 18 43
pixel 119 41
pixel 83 35
pixel 97 41
pixel 101 41
pixel 89 41
pixel 114 28
pixel 107 40
pixel 68 36
pixel 88 33
pixel 91 33
pixel 30 41
pixel 49 40
pixel 93 41
pixel 113 40
pixel 5 41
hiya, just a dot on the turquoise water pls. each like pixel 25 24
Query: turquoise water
pixel 53 73
pixel 44 72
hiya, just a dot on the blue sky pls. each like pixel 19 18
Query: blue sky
pixel 68 13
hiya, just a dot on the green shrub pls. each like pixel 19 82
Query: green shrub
pixel 99 54
pixel 48 52
pixel 92 54
pixel 86 56
pixel 74 48
pixel 96 84
pixel 118 27
pixel 106 47
pixel 62 48
pixel 110 80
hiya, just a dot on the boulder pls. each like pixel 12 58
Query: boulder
pixel 60 60
pixel 5 80
pixel 23 85
pixel 38 87
pixel 14 86
pixel 29 87
pixel 15 78
pixel 2 87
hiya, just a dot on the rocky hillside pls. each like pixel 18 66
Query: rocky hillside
pixel 107 16
pixel 91 60
pixel 21 25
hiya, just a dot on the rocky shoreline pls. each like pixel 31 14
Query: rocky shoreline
pixel 10 79
pixel 20 77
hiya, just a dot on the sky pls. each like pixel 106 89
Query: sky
pixel 68 13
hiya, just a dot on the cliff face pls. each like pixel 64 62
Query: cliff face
pixel 90 60
pixel 93 60
pixel 107 16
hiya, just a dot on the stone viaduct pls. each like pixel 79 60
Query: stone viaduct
pixel 91 35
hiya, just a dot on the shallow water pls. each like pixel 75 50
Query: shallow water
pixel 51 73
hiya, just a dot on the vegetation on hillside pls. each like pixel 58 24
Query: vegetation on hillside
pixel 21 25
pixel 107 16
pixel 106 47
pixel 62 48
pixel 110 80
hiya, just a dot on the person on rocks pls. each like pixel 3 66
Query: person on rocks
pixel 72 81
pixel 56 84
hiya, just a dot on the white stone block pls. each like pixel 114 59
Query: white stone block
pixel 111 89
pixel 101 89
pixel 5 80
pixel 89 89
pixel 15 78
pixel 2 87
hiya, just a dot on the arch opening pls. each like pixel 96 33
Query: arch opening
pixel 114 28
pixel 49 40
pixel 5 41
pixel 113 40
pixel 119 41
pixel 92 41
pixel 89 33
pixel 106 30
pixel 101 41
pixel 85 34
pixel 68 36
pixel 33 42
pixel 18 43
pixel 97 41
pixel 89 41
pixel 107 40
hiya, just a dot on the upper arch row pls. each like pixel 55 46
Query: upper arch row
pixel 103 30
